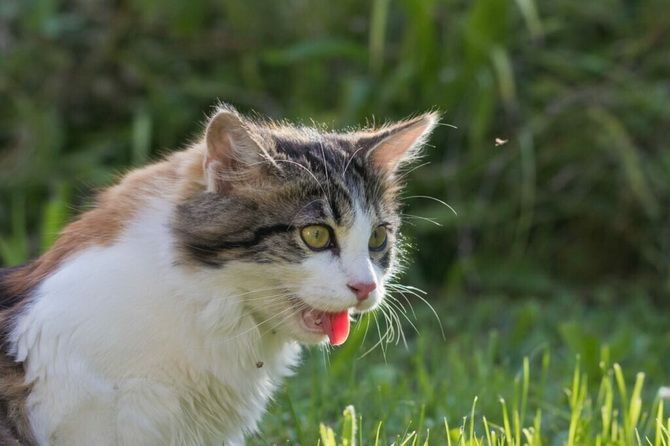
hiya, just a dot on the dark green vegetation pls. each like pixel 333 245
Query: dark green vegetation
pixel 483 356
pixel 562 239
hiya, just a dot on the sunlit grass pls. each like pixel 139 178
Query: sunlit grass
pixel 614 415
pixel 510 372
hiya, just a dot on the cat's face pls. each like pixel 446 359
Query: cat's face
pixel 306 223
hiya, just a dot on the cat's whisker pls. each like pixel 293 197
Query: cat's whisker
pixel 401 293
pixel 416 292
pixel 418 217
pixel 256 326
pixel 291 310
pixel 390 328
pixel 413 288
pixel 428 197
pixel 379 343
pixel 270 298
pixel 259 290
pixel 394 327
pixel 285 289
pixel 286 292
pixel 393 331
pixel 408 171
pixel 400 335
pixel 289 316
pixel 389 322
pixel 325 352
pixel 367 327
pixel 401 308
pixel 402 330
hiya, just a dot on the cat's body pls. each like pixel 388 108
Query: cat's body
pixel 169 314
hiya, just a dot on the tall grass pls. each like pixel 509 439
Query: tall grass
pixel 609 415
pixel 575 201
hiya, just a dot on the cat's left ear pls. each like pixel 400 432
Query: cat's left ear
pixel 234 149
pixel 390 147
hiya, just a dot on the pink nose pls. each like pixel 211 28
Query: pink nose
pixel 361 289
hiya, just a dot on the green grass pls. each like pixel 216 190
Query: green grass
pixel 510 372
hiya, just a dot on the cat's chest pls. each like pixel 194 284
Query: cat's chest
pixel 202 403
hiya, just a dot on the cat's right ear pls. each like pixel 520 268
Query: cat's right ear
pixel 232 150
pixel 393 145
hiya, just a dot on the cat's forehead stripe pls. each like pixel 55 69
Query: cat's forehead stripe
pixel 333 166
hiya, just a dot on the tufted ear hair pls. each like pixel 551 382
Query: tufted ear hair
pixel 391 146
pixel 233 148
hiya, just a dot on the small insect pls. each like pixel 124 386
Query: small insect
pixel 500 142
pixel 259 364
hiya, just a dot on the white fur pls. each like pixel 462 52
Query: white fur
pixel 123 346
pixel 325 278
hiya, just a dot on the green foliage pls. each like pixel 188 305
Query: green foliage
pixel 576 200
pixel 490 382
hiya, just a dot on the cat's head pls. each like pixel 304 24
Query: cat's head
pixel 302 222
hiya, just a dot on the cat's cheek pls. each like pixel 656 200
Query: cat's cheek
pixel 323 285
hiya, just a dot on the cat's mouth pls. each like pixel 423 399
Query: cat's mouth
pixel 334 325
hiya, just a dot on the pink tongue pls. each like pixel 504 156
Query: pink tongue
pixel 336 326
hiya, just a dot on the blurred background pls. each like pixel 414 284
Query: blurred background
pixel 554 149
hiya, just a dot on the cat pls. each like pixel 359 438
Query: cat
pixel 170 313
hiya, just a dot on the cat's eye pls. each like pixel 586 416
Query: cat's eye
pixel 378 238
pixel 317 237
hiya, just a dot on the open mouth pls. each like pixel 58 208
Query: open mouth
pixel 333 325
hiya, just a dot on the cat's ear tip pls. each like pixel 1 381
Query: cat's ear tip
pixel 222 115
pixel 223 112
pixel 224 119
pixel 430 119
pixel 224 107
pixel 423 123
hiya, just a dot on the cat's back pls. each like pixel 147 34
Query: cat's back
pixel 11 292
pixel 14 424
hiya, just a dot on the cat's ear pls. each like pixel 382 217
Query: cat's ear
pixel 233 149
pixel 391 146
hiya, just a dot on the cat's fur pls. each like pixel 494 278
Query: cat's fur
pixel 169 314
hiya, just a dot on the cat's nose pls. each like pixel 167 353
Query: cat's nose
pixel 361 289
